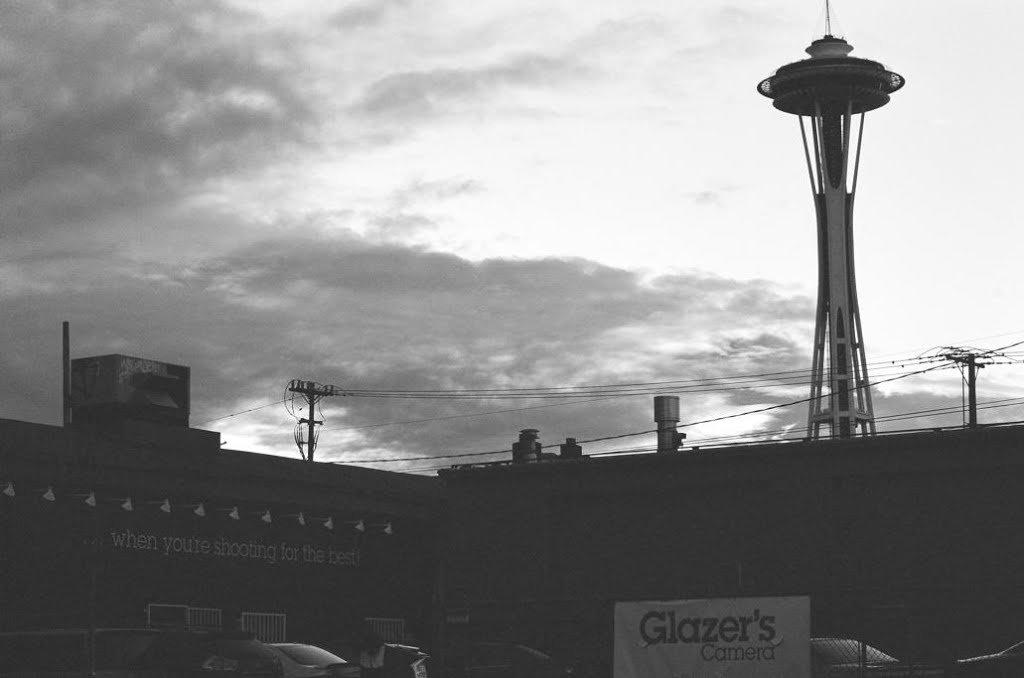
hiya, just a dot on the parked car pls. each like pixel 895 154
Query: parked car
pixel 208 654
pixel 1008 663
pixel 309 661
pixel 67 652
pixel 845 657
pixel 507 660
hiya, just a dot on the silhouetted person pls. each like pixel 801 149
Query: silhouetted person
pixel 371 654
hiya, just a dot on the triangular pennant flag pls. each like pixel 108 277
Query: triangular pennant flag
pixel 91 499
pixel 166 506
pixel 234 514
pixel 199 510
pixel 127 505
pixel 302 519
pixel 9 489
pixel 361 526
pixel 266 517
pixel 388 530
pixel 48 495
pixel 329 523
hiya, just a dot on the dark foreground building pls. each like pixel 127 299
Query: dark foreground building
pixel 129 518
pixel 909 542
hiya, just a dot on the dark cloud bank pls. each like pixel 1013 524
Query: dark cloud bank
pixel 370 316
pixel 112 105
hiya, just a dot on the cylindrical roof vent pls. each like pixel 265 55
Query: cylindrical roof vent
pixel 666 415
pixel 666 408
pixel 528 447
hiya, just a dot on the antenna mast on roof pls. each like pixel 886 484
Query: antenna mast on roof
pixel 828 18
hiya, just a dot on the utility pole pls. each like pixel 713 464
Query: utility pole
pixel 972 391
pixel 66 368
pixel 305 429
pixel 963 356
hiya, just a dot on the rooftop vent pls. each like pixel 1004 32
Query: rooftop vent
pixel 570 450
pixel 528 446
pixel 666 415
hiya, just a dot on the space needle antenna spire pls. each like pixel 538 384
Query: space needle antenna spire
pixel 826 92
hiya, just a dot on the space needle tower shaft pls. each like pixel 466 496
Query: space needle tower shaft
pixel 830 92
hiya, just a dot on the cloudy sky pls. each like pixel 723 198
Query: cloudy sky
pixel 434 195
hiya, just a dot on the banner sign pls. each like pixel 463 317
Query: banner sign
pixel 713 637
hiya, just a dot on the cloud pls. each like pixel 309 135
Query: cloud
pixel 414 95
pixel 365 14
pixel 731 19
pixel 371 316
pixel 436 190
pixel 112 105
pixel 404 216
pixel 711 197
pixel 400 225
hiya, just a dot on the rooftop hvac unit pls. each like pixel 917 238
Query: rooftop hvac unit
pixel 110 388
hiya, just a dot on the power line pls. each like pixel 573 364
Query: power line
pixel 698 385
pixel 790 378
pixel 466 455
pixel 711 385
pixel 235 414
pixel 919 414
pixel 706 388
pixel 757 381
pixel 717 441
pixel 472 414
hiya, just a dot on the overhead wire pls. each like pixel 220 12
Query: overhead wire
pixel 465 416
pixel 700 384
pixel 465 455
pixel 745 438
pixel 712 385
pixel 919 414
pixel 792 377
pixel 235 414
pixel 597 392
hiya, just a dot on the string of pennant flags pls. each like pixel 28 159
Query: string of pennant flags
pixel 91 500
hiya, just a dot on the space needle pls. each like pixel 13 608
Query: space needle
pixel 826 92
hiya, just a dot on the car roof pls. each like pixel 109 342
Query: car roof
pixel 836 651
